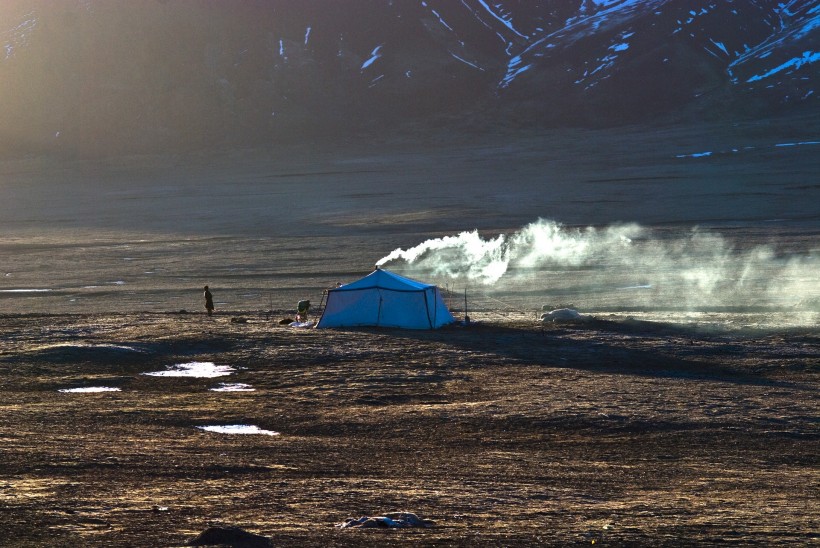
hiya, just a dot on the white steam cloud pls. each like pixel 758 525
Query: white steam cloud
pixel 469 256
pixel 621 266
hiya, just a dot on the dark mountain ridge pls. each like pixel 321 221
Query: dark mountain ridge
pixel 113 77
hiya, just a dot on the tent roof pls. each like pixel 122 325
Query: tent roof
pixel 386 280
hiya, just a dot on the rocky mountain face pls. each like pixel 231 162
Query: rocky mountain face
pixel 94 76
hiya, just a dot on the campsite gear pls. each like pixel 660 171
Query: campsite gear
pixel 302 309
pixel 385 299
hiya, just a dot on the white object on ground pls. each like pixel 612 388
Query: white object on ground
pixel 232 387
pixel 238 429
pixel 563 315
pixel 306 324
pixel 90 389
pixel 202 370
pixel 393 520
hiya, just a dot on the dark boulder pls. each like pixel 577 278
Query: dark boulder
pixel 230 536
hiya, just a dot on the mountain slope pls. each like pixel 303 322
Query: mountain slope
pixel 97 76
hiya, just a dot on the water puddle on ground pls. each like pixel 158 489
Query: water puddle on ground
pixel 238 429
pixel 201 370
pixel 89 389
pixel 83 347
pixel 25 290
pixel 233 387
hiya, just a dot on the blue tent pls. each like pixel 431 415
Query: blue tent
pixel 385 299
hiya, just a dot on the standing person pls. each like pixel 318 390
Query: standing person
pixel 209 301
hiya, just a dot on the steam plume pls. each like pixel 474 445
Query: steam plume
pixel 621 265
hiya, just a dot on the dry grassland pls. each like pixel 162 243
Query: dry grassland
pixel 503 434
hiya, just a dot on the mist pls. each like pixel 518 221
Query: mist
pixel 623 266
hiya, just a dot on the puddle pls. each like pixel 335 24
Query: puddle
pixel 238 429
pixel 201 370
pixel 233 387
pixel 85 346
pixel 27 290
pixel 90 389
pixel 117 347
pixel 63 351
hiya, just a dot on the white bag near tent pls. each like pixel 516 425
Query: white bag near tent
pixel 385 299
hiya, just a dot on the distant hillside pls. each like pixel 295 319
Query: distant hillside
pixel 95 76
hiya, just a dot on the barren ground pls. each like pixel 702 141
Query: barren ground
pixel 502 433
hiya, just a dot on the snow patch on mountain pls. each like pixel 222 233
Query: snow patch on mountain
pixel 604 15
pixel 504 17
pixel 374 55
pixel 438 16
pixel 465 61
pixel 592 77
pixel 514 68
pixel 795 63
pixel 794 28
pixel 18 36
pixel 720 46
pixel 694 15
pixel 605 10
pixel 608 3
